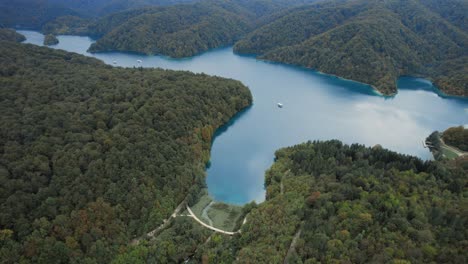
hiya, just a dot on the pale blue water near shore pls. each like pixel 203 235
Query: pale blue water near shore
pixel 316 106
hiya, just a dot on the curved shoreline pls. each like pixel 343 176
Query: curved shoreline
pixel 348 85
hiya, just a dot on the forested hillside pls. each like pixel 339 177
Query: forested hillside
pixel 182 30
pixel 373 42
pixel 177 31
pixel 10 35
pixel 92 156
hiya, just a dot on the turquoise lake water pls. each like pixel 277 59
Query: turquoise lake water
pixel 316 106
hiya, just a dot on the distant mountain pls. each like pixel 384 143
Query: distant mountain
pixel 35 13
pixel 30 13
pixel 373 41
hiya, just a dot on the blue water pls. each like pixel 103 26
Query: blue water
pixel 316 106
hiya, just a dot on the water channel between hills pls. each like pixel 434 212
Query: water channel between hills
pixel 316 106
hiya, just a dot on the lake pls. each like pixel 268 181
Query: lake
pixel 316 106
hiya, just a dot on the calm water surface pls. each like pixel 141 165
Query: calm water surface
pixel 316 106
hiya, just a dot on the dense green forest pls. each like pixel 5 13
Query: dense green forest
pixel 354 204
pixel 181 30
pixel 340 204
pixel 456 137
pixel 50 39
pixel 373 41
pixel 177 31
pixel 93 156
pixel 11 35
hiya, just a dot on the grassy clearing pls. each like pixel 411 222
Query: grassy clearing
pixel 448 153
pixel 197 209
pixel 223 216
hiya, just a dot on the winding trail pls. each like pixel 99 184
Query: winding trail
pixel 208 226
pixel 292 247
pixel 153 233
pixel 453 149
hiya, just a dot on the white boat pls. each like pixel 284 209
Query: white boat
pixel 139 61
pixel 280 105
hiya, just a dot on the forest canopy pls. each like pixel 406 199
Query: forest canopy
pixel 93 156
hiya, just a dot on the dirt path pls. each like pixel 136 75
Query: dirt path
pixel 205 213
pixel 292 247
pixel 453 149
pixel 166 222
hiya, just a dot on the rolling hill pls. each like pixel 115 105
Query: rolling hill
pixel 182 30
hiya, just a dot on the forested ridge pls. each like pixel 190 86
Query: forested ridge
pixel 373 42
pixel 182 30
pixel 93 156
pixel 178 31
pixel 33 14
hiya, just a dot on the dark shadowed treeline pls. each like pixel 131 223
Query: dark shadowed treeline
pixel 10 35
pixel 92 156
pixel 33 14
pixel 50 40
